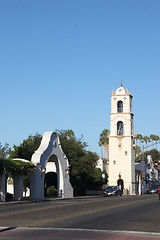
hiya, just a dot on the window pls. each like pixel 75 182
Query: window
pixel 119 106
pixel 120 128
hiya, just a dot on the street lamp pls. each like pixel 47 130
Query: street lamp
pixel 103 180
pixel 67 170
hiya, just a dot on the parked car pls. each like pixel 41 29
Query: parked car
pixel 112 191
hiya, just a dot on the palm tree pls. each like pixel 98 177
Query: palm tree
pixel 104 139
pixel 139 138
pixel 152 137
pixel 146 140
pixel 156 138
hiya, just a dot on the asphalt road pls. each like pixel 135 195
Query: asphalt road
pixel 94 218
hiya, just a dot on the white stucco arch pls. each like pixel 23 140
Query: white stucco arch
pixel 50 145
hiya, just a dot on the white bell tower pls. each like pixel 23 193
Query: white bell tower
pixel 121 152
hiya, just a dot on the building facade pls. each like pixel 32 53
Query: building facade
pixel 121 152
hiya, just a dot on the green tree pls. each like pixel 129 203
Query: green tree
pixel 73 148
pixel 104 137
pixel 137 152
pixel 83 163
pixel 27 148
pixel 104 140
pixel 4 150
pixel 152 139
pixel 156 138
pixel 146 140
pixel 139 138
pixel 154 153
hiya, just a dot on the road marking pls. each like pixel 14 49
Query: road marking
pixel 2 229
pixel 137 233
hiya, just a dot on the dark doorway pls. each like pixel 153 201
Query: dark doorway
pixel 120 184
pixel 50 184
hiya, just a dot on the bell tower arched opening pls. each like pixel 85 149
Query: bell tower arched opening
pixel 119 106
pixel 120 128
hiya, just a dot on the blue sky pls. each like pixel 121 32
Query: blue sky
pixel 61 59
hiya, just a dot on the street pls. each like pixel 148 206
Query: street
pixel 115 214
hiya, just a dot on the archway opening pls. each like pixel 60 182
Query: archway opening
pixel 50 184
pixel 51 177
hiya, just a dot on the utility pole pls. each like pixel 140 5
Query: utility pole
pixel 143 171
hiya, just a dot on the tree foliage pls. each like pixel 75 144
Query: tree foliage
pixel 12 167
pixel 4 150
pixel 147 146
pixel 104 137
pixel 153 152
pixel 27 148
pixel 83 162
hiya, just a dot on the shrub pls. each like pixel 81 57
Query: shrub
pixel 51 192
